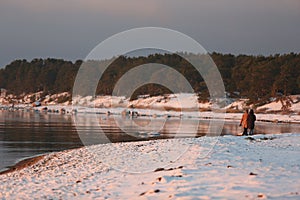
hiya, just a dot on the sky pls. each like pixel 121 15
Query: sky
pixel 70 29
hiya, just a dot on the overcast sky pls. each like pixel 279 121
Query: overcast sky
pixel 70 29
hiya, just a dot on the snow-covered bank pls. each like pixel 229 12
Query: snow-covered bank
pixel 175 105
pixel 175 102
pixel 237 168
pixel 275 118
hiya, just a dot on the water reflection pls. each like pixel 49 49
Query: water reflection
pixel 24 134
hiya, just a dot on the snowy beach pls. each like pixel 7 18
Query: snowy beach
pixel 257 167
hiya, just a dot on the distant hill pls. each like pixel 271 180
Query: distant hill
pixel 253 77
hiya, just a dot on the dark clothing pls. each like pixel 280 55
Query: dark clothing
pixel 245 132
pixel 251 120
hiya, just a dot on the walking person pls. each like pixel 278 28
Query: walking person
pixel 251 121
pixel 244 122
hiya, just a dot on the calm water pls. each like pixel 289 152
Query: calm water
pixel 26 134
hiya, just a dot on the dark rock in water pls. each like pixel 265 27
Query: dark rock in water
pixel 45 109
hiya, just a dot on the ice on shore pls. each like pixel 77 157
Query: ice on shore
pixel 258 167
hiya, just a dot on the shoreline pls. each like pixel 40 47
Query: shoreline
pixel 119 111
pixel 30 161
pixel 23 163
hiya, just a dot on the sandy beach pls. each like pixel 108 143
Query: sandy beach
pixel 256 167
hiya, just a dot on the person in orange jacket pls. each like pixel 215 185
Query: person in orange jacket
pixel 244 122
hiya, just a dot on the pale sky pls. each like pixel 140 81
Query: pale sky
pixel 70 29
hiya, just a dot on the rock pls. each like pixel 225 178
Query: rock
pixel 159 169
pixel 252 174
pixel 250 138
pixel 143 193
pixel 260 195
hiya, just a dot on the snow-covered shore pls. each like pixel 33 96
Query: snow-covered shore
pixel 175 105
pixel 259 167
pixel 274 118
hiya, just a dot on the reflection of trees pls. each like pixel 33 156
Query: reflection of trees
pixel 29 130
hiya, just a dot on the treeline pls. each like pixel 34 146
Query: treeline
pixel 49 75
pixel 254 77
